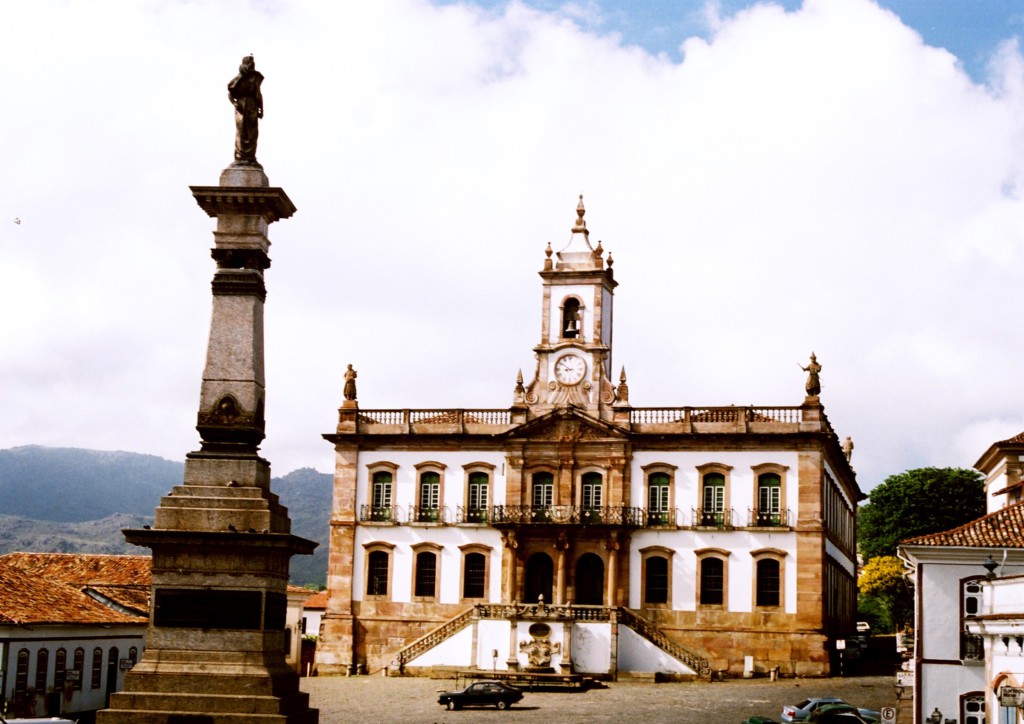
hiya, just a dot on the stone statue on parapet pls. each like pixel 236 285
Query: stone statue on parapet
pixel 813 382
pixel 245 95
pixel 848 448
pixel 350 383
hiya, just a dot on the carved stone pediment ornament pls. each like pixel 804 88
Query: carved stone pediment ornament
pixel 540 650
pixel 227 412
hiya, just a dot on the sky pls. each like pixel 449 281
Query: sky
pixel 772 179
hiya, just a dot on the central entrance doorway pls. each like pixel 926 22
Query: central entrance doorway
pixel 540 577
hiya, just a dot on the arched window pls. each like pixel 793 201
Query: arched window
pixel 711 578
pixel 79 668
pixel 378 569
pixel 477 494
pixel 42 670
pixel 713 500
pixel 591 485
pixel 380 506
pixel 972 647
pixel 425 583
pixel 474 575
pixel 543 494
pixel 571 318
pixel 589 580
pixel 21 677
pixel 769 499
pixel 768 582
pixel 658 505
pixel 430 496
pixel 656 580
pixel 972 709
pixel 97 667
pixel 60 667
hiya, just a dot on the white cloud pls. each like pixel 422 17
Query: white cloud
pixel 813 180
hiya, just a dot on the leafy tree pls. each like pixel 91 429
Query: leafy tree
pixel 882 581
pixel 917 502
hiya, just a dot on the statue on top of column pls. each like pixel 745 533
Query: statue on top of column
pixel 244 94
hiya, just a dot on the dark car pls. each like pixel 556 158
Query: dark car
pixel 482 693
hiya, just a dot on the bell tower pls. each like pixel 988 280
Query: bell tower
pixel 574 355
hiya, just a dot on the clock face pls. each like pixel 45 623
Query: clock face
pixel 569 369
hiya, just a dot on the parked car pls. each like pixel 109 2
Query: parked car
pixel 803 710
pixel 481 693
pixel 841 714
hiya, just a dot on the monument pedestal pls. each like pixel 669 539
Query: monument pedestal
pixel 221 541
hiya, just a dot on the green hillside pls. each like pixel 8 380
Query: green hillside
pixel 68 500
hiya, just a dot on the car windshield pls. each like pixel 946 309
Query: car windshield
pixel 802 704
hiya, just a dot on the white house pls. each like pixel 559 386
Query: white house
pixel 68 629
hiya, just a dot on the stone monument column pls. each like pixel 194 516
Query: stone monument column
pixel 221 541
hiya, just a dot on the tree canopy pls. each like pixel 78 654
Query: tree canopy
pixel 883 579
pixel 917 502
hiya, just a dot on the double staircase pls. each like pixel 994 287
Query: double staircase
pixel 517 611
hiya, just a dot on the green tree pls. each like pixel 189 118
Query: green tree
pixel 917 502
pixel 882 581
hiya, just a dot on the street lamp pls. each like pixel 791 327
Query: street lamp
pixel 990 566
pixel 936 717
pixel 900 687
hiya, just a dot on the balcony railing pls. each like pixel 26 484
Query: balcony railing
pixel 662 518
pixel 430 515
pixel 972 647
pixel 708 518
pixel 472 515
pixel 566 514
pixel 375 514
pixel 769 519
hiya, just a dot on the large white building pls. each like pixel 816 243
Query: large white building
pixel 575 532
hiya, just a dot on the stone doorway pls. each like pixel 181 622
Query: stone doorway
pixel 589 580
pixel 540 577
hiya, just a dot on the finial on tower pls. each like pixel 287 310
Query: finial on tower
pixel 547 261
pixel 581 225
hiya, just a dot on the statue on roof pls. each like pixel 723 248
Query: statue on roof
pixel 350 383
pixel 245 95
pixel 813 382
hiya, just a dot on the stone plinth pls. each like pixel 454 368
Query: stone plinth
pixel 221 541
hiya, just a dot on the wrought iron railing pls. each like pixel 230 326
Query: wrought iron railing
pixel 711 518
pixel 567 515
pixel 464 514
pixel 972 647
pixel 768 518
pixel 432 515
pixel 379 514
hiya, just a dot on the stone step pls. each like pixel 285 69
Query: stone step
pixel 127 716
pixel 216 503
pixel 211 703
pixel 226 681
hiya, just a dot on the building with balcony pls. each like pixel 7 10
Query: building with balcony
pixel 967 593
pixel 574 532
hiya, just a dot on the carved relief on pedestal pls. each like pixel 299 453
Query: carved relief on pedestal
pixel 539 650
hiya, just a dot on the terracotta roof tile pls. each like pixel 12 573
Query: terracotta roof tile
pixel 81 569
pixel 318 600
pixel 1001 529
pixel 1015 440
pixel 31 599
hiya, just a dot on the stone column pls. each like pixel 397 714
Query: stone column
pixel 222 541
pixel 612 584
pixel 561 546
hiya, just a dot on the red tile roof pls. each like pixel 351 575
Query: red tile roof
pixel 318 600
pixel 80 569
pixel 30 599
pixel 1001 529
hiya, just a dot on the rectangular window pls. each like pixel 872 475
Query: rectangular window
pixel 767 582
pixel 543 495
pixel 656 585
pixel 591 495
pixel 477 491
pixel 381 503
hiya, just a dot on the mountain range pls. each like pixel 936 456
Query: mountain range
pixel 70 500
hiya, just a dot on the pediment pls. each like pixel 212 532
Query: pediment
pixel 566 424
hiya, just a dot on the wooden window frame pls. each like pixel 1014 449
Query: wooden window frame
pixel 478 468
pixel 588 472
pixel 722 555
pixel 655 552
pixel 79 666
pixel 371 472
pixel 772 554
pixel 96 681
pixel 21 665
pixel 770 469
pixel 726 472
pixel 42 668
pixel 60 667
pixel 389 550
pixel 431 467
pixel 437 550
pixel 466 550
pixel 660 469
pixel 538 510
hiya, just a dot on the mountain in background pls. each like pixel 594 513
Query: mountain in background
pixel 68 500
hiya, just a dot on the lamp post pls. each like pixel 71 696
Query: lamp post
pixel 990 566
pixel 936 717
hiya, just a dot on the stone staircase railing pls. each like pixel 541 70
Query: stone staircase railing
pixel 433 638
pixel 649 631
